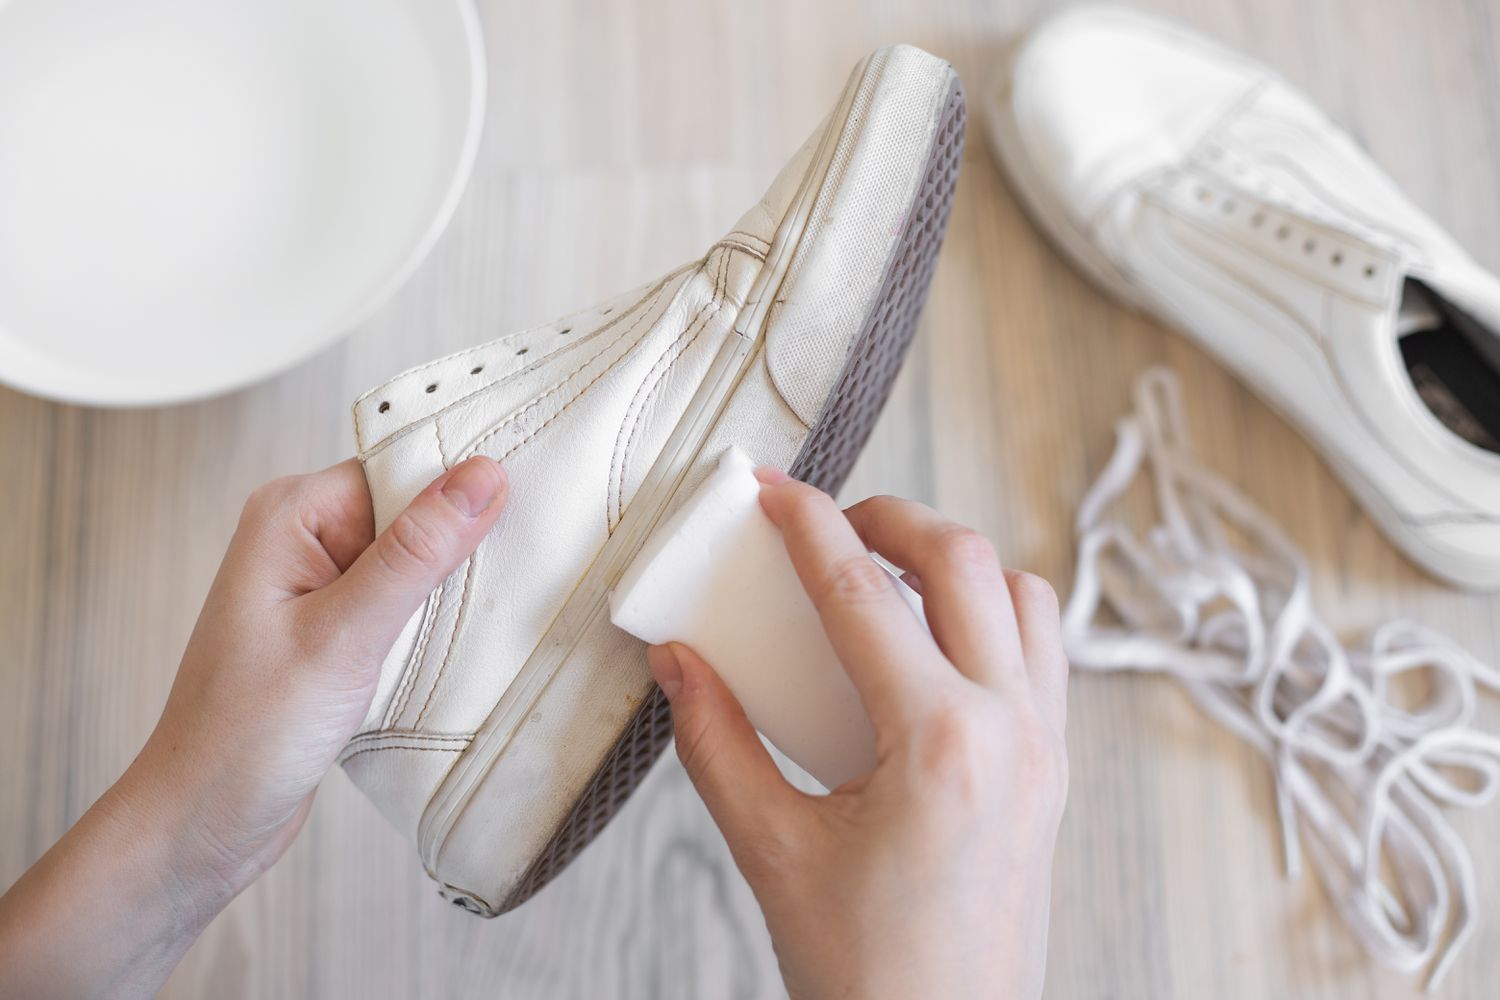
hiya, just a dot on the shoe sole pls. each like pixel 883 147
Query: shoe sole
pixel 827 455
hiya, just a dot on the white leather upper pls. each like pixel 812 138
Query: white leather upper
pixel 578 410
pixel 1200 186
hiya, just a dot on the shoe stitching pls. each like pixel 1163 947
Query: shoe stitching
pixel 616 470
pixel 744 248
pixel 463 601
pixel 653 381
pixel 346 760
pixel 614 499
pixel 377 735
pixel 437 432
pixel 699 322
pixel 414 664
pixel 480 347
pixel 403 740
pixel 458 622
pixel 562 383
pixel 748 235
pixel 647 299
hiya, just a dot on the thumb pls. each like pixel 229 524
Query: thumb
pixel 729 766
pixel 428 540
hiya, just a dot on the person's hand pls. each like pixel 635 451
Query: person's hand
pixel 277 676
pixel 930 876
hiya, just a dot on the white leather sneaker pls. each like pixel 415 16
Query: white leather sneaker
pixel 1195 184
pixel 512 719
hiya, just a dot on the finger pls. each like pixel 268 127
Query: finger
pixel 297 534
pixel 889 656
pixel 343 519
pixel 729 766
pixel 424 544
pixel 1040 627
pixel 964 593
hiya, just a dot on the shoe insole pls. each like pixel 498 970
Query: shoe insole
pixel 1455 367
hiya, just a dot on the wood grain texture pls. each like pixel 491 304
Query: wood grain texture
pixel 623 136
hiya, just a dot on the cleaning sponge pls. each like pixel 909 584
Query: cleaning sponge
pixel 717 578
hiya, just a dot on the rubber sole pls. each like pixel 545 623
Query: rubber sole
pixel 826 457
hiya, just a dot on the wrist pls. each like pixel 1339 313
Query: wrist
pixel 167 806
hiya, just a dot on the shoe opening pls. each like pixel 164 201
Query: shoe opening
pixel 1454 363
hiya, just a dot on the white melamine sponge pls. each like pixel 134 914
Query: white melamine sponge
pixel 716 577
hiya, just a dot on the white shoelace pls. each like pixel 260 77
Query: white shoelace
pixel 1216 595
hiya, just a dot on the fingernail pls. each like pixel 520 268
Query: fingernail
pixel 473 485
pixel 771 476
pixel 666 668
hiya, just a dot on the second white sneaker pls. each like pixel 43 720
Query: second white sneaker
pixel 1195 184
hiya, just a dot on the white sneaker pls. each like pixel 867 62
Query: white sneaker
pixel 1194 183
pixel 512 719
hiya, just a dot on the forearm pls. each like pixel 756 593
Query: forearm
pixel 111 908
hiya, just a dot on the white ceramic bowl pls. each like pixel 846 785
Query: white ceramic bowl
pixel 195 194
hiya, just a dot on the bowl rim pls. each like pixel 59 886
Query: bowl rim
pixel 108 391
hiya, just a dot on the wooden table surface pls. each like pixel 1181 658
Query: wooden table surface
pixel 622 138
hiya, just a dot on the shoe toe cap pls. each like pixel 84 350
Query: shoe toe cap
pixel 1100 96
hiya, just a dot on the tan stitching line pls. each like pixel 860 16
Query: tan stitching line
pixel 751 236
pixel 486 345
pixel 458 622
pixel 408 734
pixel 377 741
pixel 414 665
pixel 396 746
pixel 658 374
pixel 619 318
pixel 615 497
pixel 744 248
pixel 463 601
pixel 398 700
pixel 616 485
pixel 437 432
pixel 354 746
pixel 562 383
pixel 511 336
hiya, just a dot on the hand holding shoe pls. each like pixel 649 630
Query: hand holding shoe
pixel 930 876
pixel 276 678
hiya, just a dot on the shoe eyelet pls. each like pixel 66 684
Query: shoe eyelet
pixel 476 369
pixel 432 387
pixel 383 407
pixel 522 351
pixel 1257 219
pixel 1336 259
pixel 565 331
pixel 1369 270
pixel 1228 206
pixel 607 311
pixel 1309 246
pixel 1283 232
